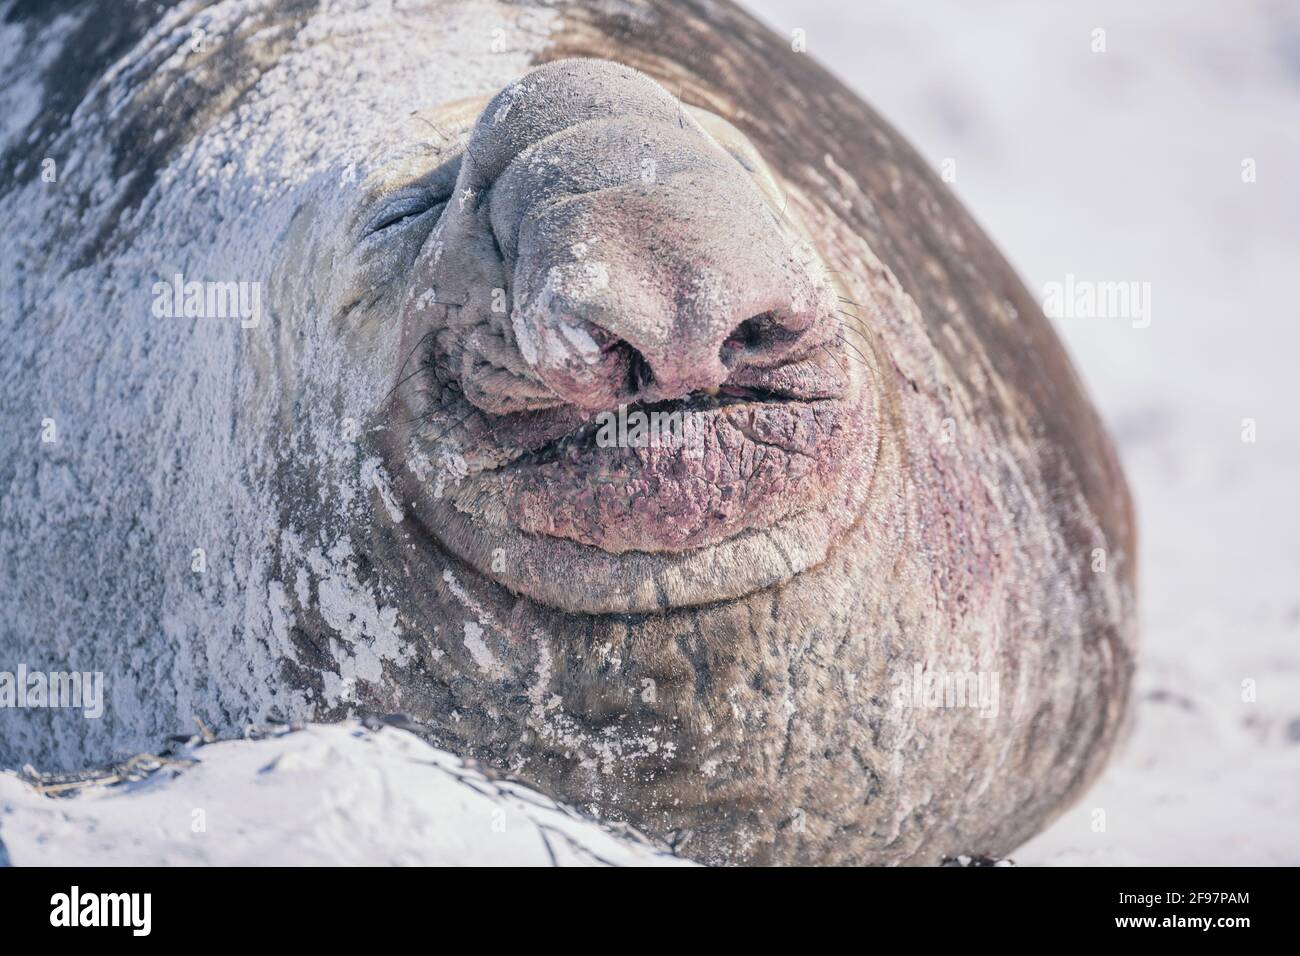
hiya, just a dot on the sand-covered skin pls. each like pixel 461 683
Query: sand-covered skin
pixel 165 427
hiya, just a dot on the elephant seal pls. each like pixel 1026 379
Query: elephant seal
pixel 330 344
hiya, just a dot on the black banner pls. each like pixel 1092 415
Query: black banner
pixel 979 906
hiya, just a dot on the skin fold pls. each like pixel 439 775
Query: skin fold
pixel 723 640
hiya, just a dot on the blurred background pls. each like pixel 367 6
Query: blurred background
pixel 1134 163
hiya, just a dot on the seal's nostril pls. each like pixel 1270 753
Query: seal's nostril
pixel 749 333
pixel 762 333
pixel 639 374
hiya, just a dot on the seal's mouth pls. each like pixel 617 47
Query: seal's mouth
pixel 642 416
pixel 671 476
pixel 648 506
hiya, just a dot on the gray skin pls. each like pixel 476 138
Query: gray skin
pixel 896 469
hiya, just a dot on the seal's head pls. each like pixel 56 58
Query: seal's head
pixel 607 256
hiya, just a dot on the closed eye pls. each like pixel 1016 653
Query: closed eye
pixel 402 210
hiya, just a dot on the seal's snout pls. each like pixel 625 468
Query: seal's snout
pixel 641 293
pixel 646 262
pixel 639 257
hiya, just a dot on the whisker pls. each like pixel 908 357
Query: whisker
pixel 446 431
pixel 417 344
pixel 834 358
pixel 859 323
pixel 864 361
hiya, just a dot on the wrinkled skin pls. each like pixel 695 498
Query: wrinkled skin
pixel 896 467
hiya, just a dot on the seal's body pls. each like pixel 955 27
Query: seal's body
pixel 870 601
